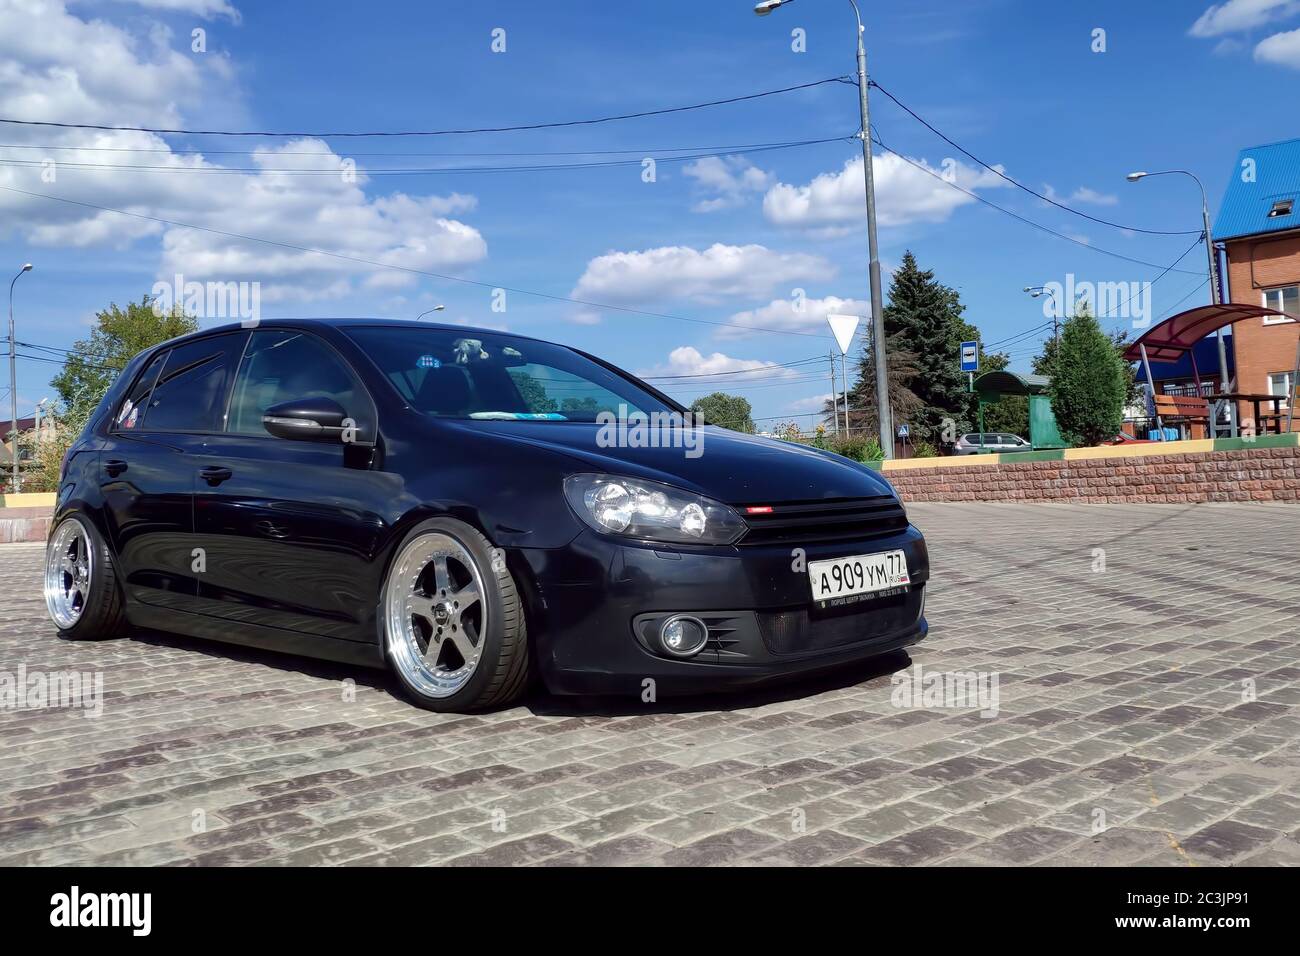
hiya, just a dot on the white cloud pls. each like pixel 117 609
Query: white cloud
pixel 783 314
pixel 69 70
pixel 728 178
pixel 1240 15
pixel 688 360
pixel 681 272
pixel 1082 195
pixel 207 9
pixel 834 203
pixel 813 403
pixel 1282 49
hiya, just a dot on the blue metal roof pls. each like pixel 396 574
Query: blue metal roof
pixel 1207 361
pixel 1264 175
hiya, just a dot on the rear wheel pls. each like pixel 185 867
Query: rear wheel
pixel 454 629
pixel 81 588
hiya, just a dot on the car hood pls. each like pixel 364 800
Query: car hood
pixel 727 466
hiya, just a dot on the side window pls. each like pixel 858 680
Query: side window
pixel 191 392
pixel 128 415
pixel 282 365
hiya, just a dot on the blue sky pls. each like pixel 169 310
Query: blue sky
pixel 723 240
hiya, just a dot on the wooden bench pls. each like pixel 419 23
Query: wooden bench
pixel 1184 410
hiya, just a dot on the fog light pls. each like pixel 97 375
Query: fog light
pixel 683 636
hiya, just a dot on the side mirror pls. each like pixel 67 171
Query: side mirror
pixel 306 419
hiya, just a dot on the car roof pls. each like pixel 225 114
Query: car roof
pixel 351 322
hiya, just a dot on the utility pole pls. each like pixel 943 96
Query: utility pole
pixel 13 374
pixel 844 368
pixel 763 8
pixel 835 397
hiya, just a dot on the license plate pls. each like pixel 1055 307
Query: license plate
pixel 845 579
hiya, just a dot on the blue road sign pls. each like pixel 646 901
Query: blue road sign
pixel 902 431
pixel 970 356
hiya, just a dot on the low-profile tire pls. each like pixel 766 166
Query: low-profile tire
pixel 453 624
pixel 82 592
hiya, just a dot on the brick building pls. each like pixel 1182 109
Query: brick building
pixel 1259 227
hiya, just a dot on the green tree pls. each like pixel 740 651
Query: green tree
pixel 903 371
pixel 730 411
pixel 1089 383
pixel 1045 362
pixel 924 320
pixel 118 335
pixel 533 393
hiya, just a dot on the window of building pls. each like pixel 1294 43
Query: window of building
pixel 1285 299
pixel 1281 208
pixel 1279 383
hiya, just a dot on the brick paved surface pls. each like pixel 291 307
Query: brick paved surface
pixel 1149 714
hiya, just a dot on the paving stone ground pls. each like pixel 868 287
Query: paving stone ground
pixel 1149 713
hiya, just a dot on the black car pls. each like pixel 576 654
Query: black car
pixel 471 508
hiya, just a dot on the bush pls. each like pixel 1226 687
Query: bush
pixel 858 448
pixel 923 449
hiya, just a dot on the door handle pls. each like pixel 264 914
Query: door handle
pixel 114 467
pixel 215 475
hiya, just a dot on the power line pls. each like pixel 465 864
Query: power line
pixel 413 170
pixel 1028 222
pixel 181 151
pixel 1165 272
pixel 1019 185
pixel 738 371
pixel 410 271
pixel 438 132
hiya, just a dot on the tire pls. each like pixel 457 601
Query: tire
pixel 450 656
pixel 84 604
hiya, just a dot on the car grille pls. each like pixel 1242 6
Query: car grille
pixel 796 631
pixel 830 519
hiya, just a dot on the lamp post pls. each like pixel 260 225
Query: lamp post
pixel 436 308
pixel 1035 291
pixel 1215 297
pixel 13 373
pixel 877 306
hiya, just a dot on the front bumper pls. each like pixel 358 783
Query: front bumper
pixel 597 600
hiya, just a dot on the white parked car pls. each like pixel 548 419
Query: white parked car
pixel 993 443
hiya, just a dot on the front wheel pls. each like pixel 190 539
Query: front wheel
pixel 454 630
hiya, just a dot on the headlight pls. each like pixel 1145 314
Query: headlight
pixel 650 510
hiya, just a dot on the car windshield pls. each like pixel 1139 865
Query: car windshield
pixel 452 373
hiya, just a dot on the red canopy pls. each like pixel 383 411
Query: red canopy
pixel 1168 340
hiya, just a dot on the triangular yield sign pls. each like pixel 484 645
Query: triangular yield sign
pixel 843 326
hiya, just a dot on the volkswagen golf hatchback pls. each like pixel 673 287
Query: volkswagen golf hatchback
pixel 470 509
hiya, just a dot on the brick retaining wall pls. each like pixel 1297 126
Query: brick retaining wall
pixel 1255 474
pixel 24 524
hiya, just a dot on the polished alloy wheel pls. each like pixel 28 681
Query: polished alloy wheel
pixel 436 616
pixel 69 564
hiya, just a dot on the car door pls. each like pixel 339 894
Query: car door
pixel 290 529
pixel 145 472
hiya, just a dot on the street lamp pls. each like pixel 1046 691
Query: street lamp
pixel 1209 255
pixel 1036 291
pixel 877 305
pixel 436 308
pixel 13 372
